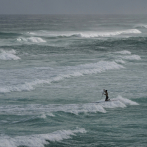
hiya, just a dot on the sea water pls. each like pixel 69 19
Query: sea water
pixel 53 68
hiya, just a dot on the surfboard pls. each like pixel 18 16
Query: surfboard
pixel 104 101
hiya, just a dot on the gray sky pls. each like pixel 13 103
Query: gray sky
pixel 73 6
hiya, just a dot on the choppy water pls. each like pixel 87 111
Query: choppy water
pixel 52 69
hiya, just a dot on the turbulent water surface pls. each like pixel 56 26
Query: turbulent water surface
pixel 53 69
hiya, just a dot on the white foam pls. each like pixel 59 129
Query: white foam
pixel 48 110
pixel 117 102
pixel 31 39
pixel 126 101
pixel 124 52
pixel 131 31
pixel 44 115
pixel 77 71
pixel 83 108
pixel 27 86
pixel 38 140
pixel 131 57
pixel 107 34
pixel 42 111
pixel 120 61
pixel 22 87
pixel 141 26
pixel 113 104
pixel 85 34
pixel 8 55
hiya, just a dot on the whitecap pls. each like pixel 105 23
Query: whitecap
pixel 77 71
pixel 31 40
pixel 124 52
pixel 131 57
pixel 120 61
pixel 44 115
pixel 116 102
pixel 8 55
pixel 42 111
pixel 141 26
pixel 38 140
pixel 126 101
pixel 86 34
pixel 107 34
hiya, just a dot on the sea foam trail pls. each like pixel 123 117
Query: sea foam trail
pixel 31 40
pixel 77 71
pixel 38 140
pixel 8 55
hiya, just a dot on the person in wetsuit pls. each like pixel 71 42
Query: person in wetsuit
pixel 106 93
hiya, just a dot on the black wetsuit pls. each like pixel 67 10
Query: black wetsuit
pixel 106 98
pixel 106 93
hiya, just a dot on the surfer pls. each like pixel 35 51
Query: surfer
pixel 106 93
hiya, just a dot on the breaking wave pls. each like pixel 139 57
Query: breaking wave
pixel 141 26
pixel 8 55
pixel 85 34
pixel 50 110
pixel 126 55
pixel 31 39
pixel 38 140
pixel 124 52
pixel 118 102
pixel 120 61
pixel 109 34
pixel 131 57
pixel 77 71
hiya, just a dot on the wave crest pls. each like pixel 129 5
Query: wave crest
pixel 132 57
pixel 141 26
pixel 85 34
pixel 124 52
pixel 109 34
pixel 38 140
pixel 8 55
pixel 77 71
pixel 31 39
pixel 42 111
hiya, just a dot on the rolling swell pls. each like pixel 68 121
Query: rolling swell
pixel 119 43
pixel 8 35
pixel 77 71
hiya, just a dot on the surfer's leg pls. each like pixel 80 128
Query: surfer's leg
pixel 106 98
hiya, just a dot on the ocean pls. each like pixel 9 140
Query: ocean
pixel 53 69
